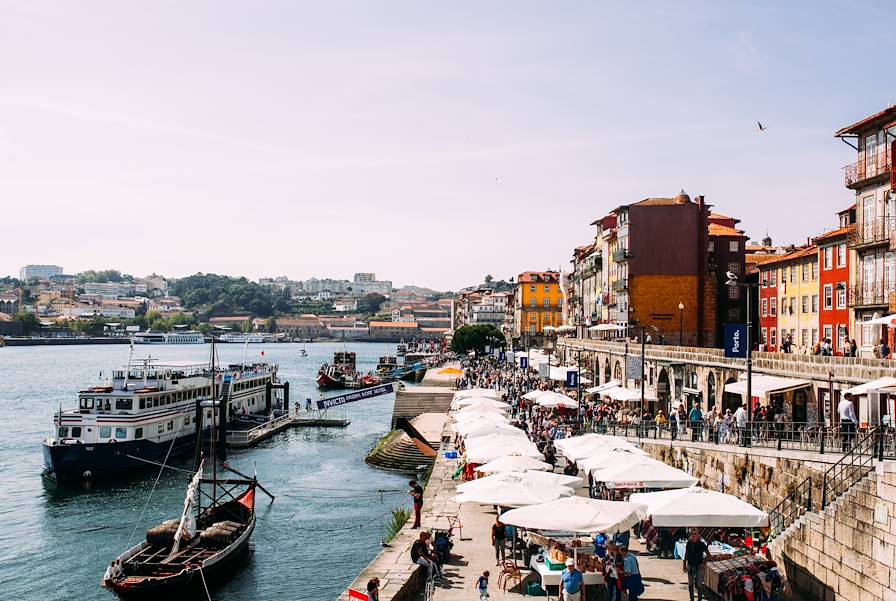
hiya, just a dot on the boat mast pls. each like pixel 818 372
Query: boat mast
pixel 214 428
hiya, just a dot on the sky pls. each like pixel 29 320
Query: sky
pixel 430 142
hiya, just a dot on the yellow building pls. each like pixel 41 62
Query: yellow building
pixel 797 279
pixel 538 303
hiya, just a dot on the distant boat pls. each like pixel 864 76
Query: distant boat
pixel 150 337
pixel 243 338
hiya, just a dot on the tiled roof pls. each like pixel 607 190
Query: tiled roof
pixel 799 253
pixel 393 324
pixel 654 202
pixel 548 277
pixel 843 231
pixel 859 126
pixel 716 229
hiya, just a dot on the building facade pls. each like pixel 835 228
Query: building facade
pixel 833 284
pixel 538 303
pixel 39 272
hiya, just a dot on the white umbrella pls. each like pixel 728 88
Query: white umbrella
pixel 610 457
pixel 512 491
pixel 552 399
pixel 490 449
pixel 577 515
pixel 534 394
pixel 477 400
pixel 486 392
pixel 584 439
pixel 594 447
pixel 464 426
pixel 483 407
pixel 701 508
pixel 495 428
pixel 514 463
pixel 643 473
pixel 546 478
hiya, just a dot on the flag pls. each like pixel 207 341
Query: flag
pixel 187 527
pixel 262 353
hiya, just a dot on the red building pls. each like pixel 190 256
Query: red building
pixel 833 283
pixel 768 306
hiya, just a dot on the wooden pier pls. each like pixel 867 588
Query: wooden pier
pixel 327 418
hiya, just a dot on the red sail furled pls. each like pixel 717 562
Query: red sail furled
pixel 248 499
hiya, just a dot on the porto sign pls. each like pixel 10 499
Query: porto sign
pixel 572 379
pixel 735 340
pixel 357 395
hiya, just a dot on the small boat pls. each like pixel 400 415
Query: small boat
pixel 386 364
pixel 334 375
pixel 303 353
pixel 402 349
pixel 181 558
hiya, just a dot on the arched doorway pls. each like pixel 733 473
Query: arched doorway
pixel 663 390
pixel 711 388
pixel 617 371
pixel 730 400
pixel 608 375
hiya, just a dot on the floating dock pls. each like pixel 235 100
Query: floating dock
pixel 327 418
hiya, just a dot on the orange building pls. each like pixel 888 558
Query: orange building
pixel 538 303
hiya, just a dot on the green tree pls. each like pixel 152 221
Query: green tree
pixel 476 338
pixel 488 279
pixel 371 302
pixel 30 322
pixel 271 324
pixel 247 326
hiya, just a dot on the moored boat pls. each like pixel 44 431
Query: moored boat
pixel 335 375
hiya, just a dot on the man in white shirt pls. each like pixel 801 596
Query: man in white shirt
pixel 847 413
pixel 740 419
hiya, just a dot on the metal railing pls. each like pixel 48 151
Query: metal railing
pixel 879 163
pixel 791 436
pixel 875 293
pixel 620 284
pixel 246 436
pixel 874 231
pixel 320 414
pixel 620 255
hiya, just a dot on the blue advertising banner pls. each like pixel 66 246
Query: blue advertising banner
pixel 572 379
pixel 502 357
pixel 524 362
pixel 357 395
pixel 736 340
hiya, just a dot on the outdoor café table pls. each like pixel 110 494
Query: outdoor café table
pixel 551 577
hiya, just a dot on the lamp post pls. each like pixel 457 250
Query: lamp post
pixel 733 281
pixel 680 324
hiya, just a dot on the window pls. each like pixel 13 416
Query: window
pixel 532 328
pixel 531 316
pixel 841 336
pixel 734 268
pixel 559 303
pixel 138 433
pixel 804 337
pixel 547 288
pixel 532 288
pixel 547 303
pixel 815 303
pixel 161 428
pixel 734 315
pixel 792 305
pixel 792 273
pixel 804 272
pixel 773 336
pixel 63 432
pixel 76 431
pixel 774 279
pixel 86 404
pixel 764 334
pixel 733 291
pixel 170 425
pixel 815 269
pixel 764 280
pixel 143 403
pixel 124 404
pixel 828 297
pixel 121 433
pixel 773 307
pixel 711 246
pixel 764 307
pixel 814 337
pixel 106 432
pixel 841 296
pixel 841 255
pixel 829 332
pixel 532 303
pixel 734 246
pixel 828 257
pixel 805 303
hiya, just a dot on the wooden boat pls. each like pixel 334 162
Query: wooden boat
pixel 178 561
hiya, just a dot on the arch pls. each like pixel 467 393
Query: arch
pixel 608 374
pixel 711 388
pixel 730 400
pixel 617 371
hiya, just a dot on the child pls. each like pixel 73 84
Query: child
pixel 482 586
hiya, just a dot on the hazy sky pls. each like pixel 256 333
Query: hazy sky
pixel 430 142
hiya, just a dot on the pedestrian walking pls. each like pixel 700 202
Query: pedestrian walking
pixel 632 574
pixel 482 586
pixel 499 540
pixel 416 492
pixel 695 555
pixel 572 583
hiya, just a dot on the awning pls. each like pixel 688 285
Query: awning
pixel 766 385
pixel 624 395
pixel 886 320
pixel 685 507
pixel 872 386
pixel 559 374
pixel 607 327
pixel 602 387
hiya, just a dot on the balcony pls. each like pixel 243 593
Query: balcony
pixel 876 231
pixel 620 285
pixel 874 294
pixel 620 255
pixel 880 165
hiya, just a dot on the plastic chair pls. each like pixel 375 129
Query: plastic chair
pixel 509 572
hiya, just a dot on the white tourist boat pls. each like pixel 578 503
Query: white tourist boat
pixel 150 337
pixel 148 411
pixel 234 337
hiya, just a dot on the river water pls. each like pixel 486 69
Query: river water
pixel 323 528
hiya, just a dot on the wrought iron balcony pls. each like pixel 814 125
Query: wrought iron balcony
pixel 876 231
pixel 620 255
pixel 874 294
pixel 620 285
pixel 877 165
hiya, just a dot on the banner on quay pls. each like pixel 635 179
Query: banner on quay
pixel 357 395
pixel 524 362
pixel 572 379
pixel 736 340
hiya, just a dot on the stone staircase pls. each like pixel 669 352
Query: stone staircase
pixel 399 453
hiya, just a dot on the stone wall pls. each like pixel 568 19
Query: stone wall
pixel 846 552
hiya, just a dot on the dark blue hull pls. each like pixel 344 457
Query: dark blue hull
pixel 104 460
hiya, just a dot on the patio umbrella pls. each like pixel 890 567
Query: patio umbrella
pixel 699 507
pixel 463 426
pixel 546 478
pixel 609 457
pixel 569 443
pixel 489 448
pixel 485 407
pixel 643 472
pixel 552 399
pixel 512 491
pixel 478 400
pixel 534 394
pixel 594 447
pixel 514 463
pixel 486 392
pixel 577 515
pixel 489 428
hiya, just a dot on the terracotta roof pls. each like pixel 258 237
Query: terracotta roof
pixel 859 126
pixel 654 202
pixel 714 215
pixel 393 324
pixel 548 277
pixel 799 253
pixel 843 231
pixel 716 229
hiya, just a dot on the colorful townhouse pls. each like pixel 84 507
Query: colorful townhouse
pixel 796 275
pixel 873 180
pixel 768 306
pixel 833 284
pixel 538 303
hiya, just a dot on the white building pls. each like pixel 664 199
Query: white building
pixel 365 277
pixel 109 289
pixel 345 306
pixel 39 272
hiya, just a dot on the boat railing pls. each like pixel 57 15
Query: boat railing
pixel 245 436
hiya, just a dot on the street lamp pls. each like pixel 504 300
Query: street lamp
pixel 733 281
pixel 680 323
